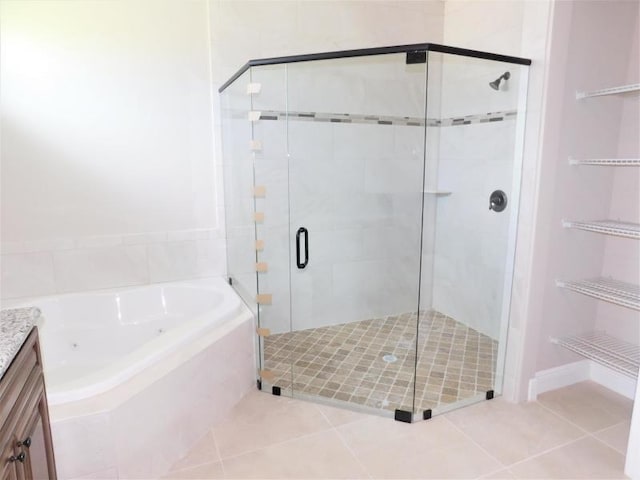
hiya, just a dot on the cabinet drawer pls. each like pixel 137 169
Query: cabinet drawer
pixel 33 388
pixel 17 375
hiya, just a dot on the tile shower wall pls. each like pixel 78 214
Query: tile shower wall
pixel 468 157
pixel 471 240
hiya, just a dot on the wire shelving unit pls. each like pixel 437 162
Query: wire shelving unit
pixel 607 289
pixel 623 357
pixel 634 87
pixel 607 227
pixel 606 162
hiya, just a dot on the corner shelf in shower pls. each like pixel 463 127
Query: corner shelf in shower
pixel 608 227
pixel 606 162
pixel 607 289
pixel 437 193
pixel 635 87
pixel 623 357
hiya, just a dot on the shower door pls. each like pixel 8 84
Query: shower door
pixel 355 140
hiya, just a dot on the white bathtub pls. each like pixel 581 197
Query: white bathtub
pixel 136 376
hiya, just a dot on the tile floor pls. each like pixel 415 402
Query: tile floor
pixel 576 432
pixel 345 362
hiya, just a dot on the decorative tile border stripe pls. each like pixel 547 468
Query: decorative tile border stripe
pixel 478 118
pixel 386 120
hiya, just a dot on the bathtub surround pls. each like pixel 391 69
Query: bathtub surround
pixel 73 265
pixel 131 393
pixel 15 326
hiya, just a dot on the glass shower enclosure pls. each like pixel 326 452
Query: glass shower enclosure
pixel 371 203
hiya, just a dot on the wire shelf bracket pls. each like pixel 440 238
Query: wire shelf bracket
pixel 635 87
pixel 623 357
pixel 607 227
pixel 607 289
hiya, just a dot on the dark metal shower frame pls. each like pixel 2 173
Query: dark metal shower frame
pixel 363 52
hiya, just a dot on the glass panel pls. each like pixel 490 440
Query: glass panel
pixel 238 184
pixel 272 199
pixel 356 147
pixel 468 248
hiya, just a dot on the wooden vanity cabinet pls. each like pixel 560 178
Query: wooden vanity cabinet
pixel 25 434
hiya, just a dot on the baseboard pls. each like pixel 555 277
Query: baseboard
pixel 614 381
pixel 558 377
pixel 565 375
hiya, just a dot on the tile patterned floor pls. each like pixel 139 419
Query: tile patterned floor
pixel 278 437
pixel 345 362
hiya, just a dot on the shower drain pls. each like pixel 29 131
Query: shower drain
pixel 389 358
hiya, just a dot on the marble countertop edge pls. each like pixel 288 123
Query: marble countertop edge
pixel 15 326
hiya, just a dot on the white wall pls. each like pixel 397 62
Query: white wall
pixel 107 145
pixel 243 30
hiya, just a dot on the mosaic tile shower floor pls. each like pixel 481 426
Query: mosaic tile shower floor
pixel 345 362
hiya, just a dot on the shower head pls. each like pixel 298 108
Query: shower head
pixel 496 83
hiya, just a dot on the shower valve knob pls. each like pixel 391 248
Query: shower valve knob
pixel 497 201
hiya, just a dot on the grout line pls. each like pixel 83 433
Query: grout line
pixel 174 474
pixel 593 434
pixel 487 475
pixel 215 442
pixel 253 450
pixel 275 444
pixel 544 452
pixel 624 454
pixel 611 426
pixel 562 417
pixel 474 442
pixel 200 463
pixel 346 445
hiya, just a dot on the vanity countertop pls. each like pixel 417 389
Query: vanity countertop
pixel 15 326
